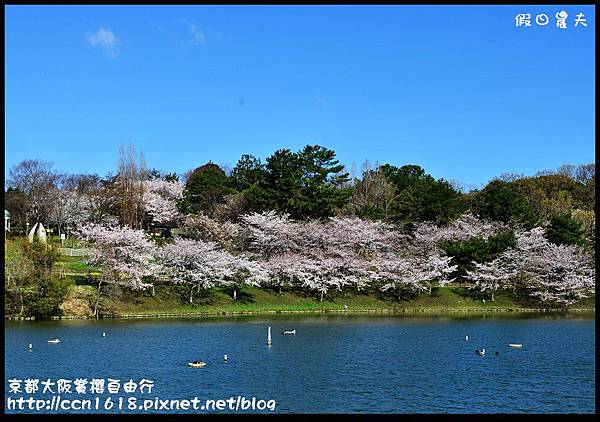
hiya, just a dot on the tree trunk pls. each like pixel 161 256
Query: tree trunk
pixel 22 304
pixel 192 295
pixel 321 296
pixel 492 295
pixel 234 294
pixel 153 290
pixel 97 298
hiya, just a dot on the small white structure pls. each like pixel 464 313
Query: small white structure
pixel 32 233
pixel 269 342
pixel 6 221
pixel 39 231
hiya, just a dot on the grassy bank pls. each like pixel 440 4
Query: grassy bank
pixel 167 301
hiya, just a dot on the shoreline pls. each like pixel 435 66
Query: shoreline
pixel 380 311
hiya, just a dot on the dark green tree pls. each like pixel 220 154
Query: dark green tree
pixel 404 176
pixel 420 197
pixel 307 184
pixel 171 177
pixel 284 173
pixel 499 201
pixel 564 230
pixel 154 174
pixel 247 172
pixel 323 184
pixel 428 199
pixel 477 249
pixel 205 188
pixel 51 293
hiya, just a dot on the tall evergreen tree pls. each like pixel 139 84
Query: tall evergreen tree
pixel 205 188
pixel 564 230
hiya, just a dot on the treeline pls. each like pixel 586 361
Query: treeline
pixel 300 221
pixel 312 184
pixel 307 184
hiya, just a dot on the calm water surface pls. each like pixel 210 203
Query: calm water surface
pixel 333 364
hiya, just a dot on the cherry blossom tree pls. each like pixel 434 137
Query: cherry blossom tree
pixel 425 247
pixel 269 249
pixel 69 209
pixel 268 233
pixel 556 275
pixel 412 273
pixel 325 274
pixel 496 274
pixel 365 238
pixel 247 271
pixel 197 264
pixel 203 265
pixel 286 269
pixel 338 253
pixel 160 199
pixel 125 255
pixel 319 256
pixel 429 235
pixel 202 227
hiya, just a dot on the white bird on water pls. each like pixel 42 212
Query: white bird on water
pixel 103 334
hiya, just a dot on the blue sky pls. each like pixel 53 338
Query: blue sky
pixel 459 90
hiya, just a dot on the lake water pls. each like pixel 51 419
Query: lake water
pixel 333 364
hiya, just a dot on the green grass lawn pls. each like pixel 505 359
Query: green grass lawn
pixel 254 300
pixel 74 265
